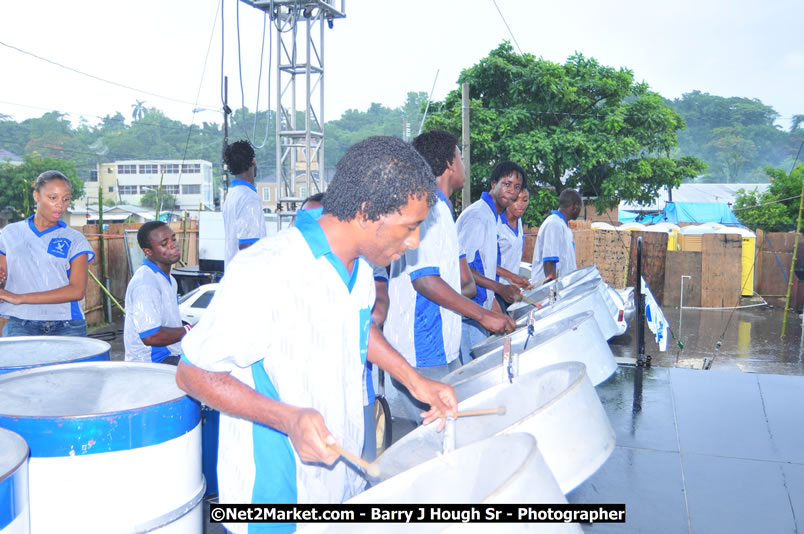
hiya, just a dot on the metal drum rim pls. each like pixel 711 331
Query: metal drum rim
pixel 579 317
pixel 413 472
pixel 73 366
pixel 13 470
pixel 102 346
pixel 573 385
pixel 496 368
pixel 563 303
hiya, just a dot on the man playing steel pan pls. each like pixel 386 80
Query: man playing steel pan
pixel 281 349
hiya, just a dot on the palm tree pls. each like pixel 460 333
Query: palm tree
pixel 139 110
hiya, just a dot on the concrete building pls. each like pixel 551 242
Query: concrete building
pixel 127 181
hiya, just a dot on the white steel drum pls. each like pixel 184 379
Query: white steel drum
pixel 557 405
pixel 497 470
pixel 14 516
pixel 115 447
pixel 541 293
pixel 25 352
pixel 590 295
pixel 574 339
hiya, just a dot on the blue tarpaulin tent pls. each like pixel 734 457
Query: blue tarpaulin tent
pixel 689 212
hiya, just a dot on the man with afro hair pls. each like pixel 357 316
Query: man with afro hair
pixel 281 350
pixel 243 219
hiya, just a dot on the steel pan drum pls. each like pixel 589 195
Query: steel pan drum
pixel 575 339
pixel 540 293
pixel 14 517
pixel 25 352
pixel 591 295
pixel 500 469
pixel 557 405
pixel 115 447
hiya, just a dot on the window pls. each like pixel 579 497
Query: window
pixel 170 168
pixel 93 176
pixel 108 170
pixel 149 168
pixel 191 168
pixel 145 188
pixel 128 189
pixel 191 189
pixel 111 189
pixel 126 169
pixel 303 192
pixel 203 300
pixel 172 189
pixel 266 194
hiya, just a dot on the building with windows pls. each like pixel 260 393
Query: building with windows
pixel 189 181
pixel 126 182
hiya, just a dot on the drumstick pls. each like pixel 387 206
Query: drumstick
pixel 371 469
pixel 488 411
pixel 540 282
pixel 530 301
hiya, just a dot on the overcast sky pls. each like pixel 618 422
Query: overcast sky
pixel 383 49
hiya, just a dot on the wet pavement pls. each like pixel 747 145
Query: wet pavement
pixel 750 341
pixel 702 451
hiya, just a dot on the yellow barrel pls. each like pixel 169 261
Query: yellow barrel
pixel 749 251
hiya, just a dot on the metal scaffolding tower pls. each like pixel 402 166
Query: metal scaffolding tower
pixel 299 108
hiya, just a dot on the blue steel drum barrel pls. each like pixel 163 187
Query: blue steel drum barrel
pixel 14 517
pixel 115 447
pixel 25 352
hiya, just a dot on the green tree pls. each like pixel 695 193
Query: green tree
pixel 150 198
pixel 354 126
pixel 16 182
pixel 579 125
pixel 775 210
pixel 736 136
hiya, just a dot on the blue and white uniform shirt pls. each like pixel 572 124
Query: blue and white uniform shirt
pixel 554 243
pixel 151 303
pixel 477 235
pixel 302 340
pixel 369 396
pixel 512 244
pixel 243 219
pixel 423 332
pixel 40 261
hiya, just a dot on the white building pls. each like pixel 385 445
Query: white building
pixel 190 181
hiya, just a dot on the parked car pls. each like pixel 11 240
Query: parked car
pixel 193 304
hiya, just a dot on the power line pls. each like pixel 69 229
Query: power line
pixel 506 25
pixel 98 78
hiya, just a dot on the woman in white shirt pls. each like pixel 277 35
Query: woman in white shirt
pixel 44 265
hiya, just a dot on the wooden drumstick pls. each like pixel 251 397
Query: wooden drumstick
pixel 531 301
pixel 371 469
pixel 488 411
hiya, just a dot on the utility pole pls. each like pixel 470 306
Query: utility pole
pixel 466 147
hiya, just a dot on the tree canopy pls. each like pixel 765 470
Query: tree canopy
pixel 775 210
pixel 577 125
pixel 16 181
pixel 736 136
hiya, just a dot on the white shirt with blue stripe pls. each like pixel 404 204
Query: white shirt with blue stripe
pixel 243 219
pixel 291 322
pixel 554 243
pixel 40 261
pixel 426 334
pixel 512 244
pixel 369 396
pixel 477 235
pixel 151 302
